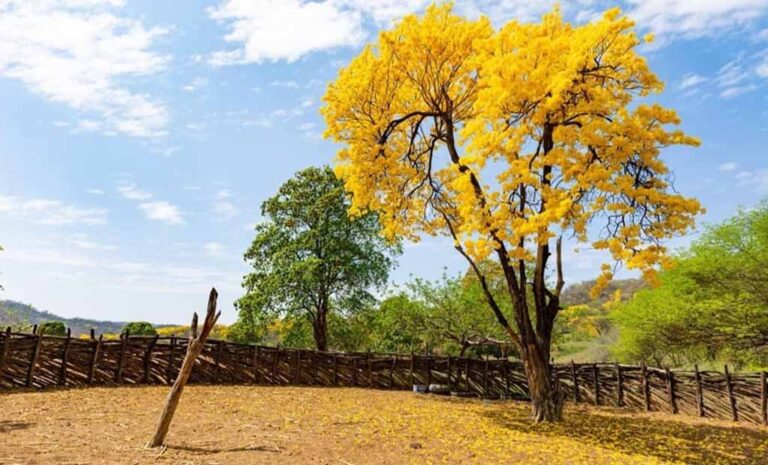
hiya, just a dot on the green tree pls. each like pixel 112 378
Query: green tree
pixel 53 328
pixel 139 328
pixel 309 257
pixel 711 306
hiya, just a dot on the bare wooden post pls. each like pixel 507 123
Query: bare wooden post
pixel 93 334
pixel 148 358
pixel 596 373
pixel 646 387
pixel 35 356
pixel 354 370
pixel 410 373
pixel 370 369
pixel 194 348
pixel 65 359
pixel 217 366
pixel 4 353
pixel 256 377
pixel 506 378
pixel 450 385
pixel 121 361
pixel 335 370
pixel 575 382
pixel 171 360
pixel 699 391
pixel 731 398
pixel 298 366
pixel 275 359
pixel 764 396
pixel 392 372
pixel 485 378
pixel 429 371
pixel 34 329
pixel 95 359
pixel 671 391
pixel 619 387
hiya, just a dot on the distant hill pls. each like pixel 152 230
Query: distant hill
pixel 17 314
pixel 578 294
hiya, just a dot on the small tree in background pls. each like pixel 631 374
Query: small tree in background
pixel 310 257
pixel 139 328
pixel 506 140
pixel 53 328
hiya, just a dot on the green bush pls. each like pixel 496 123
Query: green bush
pixel 139 328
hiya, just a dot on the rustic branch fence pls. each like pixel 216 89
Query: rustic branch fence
pixel 40 361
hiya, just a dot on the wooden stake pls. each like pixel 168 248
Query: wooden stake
pixel 95 359
pixel 5 351
pixel 764 396
pixel 429 371
pixel 171 360
pixel 335 370
pixel 298 366
pixel 121 361
pixel 619 387
pixel 596 373
pixel 731 398
pixel 410 373
pixel 256 377
pixel 575 382
pixel 485 378
pixel 275 358
pixel 450 385
pixel 35 356
pixel 217 366
pixel 93 334
pixel 392 372
pixel 699 391
pixel 671 391
pixel 646 387
pixel 370 369
pixel 194 348
pixel 64 359
pixel 148 358
pixel 506 378
pixel 354 371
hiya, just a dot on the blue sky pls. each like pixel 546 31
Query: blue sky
pixel 138 138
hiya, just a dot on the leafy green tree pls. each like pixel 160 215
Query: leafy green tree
pixel 139 328
pixel 310 258
pixel 711 306
pixel 53 328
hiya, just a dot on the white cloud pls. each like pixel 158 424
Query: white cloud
pixel 727 167
pixel 272 30
pixel 94 191
pixel 196 83
pixel 132 192
pixel 223 208
pixel 755 180
pixel 50 212
pixel 79 53
pixel 692 80
pixel 162 211
pixel 732 92
pixel 214 249
pixel 692 19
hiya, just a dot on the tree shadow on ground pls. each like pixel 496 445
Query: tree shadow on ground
pixel 219 450
pixel 7 426
pixel 664 439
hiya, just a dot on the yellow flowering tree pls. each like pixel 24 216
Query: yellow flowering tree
pixel 506 140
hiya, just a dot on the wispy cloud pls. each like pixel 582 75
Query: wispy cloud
pixel 81 54
pixel 162 211
pixel 223 207
pixel 50 212
pixel 728 167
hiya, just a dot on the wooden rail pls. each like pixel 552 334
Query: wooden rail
pixel 42 361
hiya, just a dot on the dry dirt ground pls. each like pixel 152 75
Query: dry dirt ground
pixel 292 425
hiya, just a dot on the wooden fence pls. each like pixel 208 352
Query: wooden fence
pixel 45 361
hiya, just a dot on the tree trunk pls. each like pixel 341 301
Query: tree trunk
pixel 320 330
pixel 546 397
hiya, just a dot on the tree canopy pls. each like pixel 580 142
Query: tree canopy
pixel 309 256
pixel 505 140
pixel 710 306
pixel 139 328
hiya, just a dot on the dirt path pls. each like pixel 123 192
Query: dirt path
pixel 272 425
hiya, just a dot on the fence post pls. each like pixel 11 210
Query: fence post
pixel 485 378
pixel 410 373
pixel 35 356
pixel 506 378
pixel 596 373
pixel 764 396
pixel 5 351
pixel 255 364
pixel 646 387
pixel 449 373
pixel 148 358
pixel 64 359
pixel 392 372
pixel 429 371
pixel 95 359
pixel 370 369
pixel 699 391
pixel 335 370
pixel 121 360
pixel 275 356
pixel 671 391
pixel 169 368
pixel 575 382
pixel 354 370
pixel 466 374
pixel 298 367
pixel 619 386
pixel 731 398
pixel 217 361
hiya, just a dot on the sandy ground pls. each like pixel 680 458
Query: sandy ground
pixel 291 425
